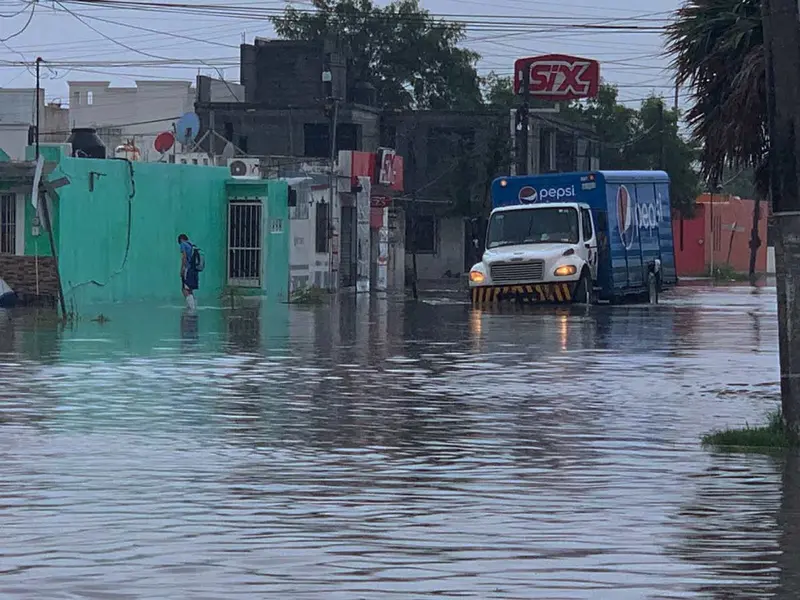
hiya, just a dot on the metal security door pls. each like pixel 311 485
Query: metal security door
pixel 244 244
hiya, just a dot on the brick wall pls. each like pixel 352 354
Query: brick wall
pixel 20 273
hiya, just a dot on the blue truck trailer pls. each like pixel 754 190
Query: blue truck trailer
pixel 577 237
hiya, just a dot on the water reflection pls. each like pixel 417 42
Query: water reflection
pixel 377 448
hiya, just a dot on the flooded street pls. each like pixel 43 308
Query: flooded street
pixel 386 449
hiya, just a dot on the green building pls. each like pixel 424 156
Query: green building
pixel 116 223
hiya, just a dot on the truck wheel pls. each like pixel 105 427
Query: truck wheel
pixel 652 288
pixel 583 291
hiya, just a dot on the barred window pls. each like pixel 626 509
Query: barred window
pixel 8 224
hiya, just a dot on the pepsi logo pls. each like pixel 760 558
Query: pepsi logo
pixel 626 216
pixel 528 195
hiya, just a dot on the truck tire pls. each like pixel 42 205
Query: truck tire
pixel 652 288
pixel 583 291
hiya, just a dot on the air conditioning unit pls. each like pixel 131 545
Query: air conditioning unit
pixel 245 168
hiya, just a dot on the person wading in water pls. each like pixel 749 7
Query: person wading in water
pixel 190 273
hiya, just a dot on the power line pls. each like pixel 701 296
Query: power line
pixel 142 52
pixel 486 22
pixel 19 12
pixel 24 27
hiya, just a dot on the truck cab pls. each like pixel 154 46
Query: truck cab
pixel 552 247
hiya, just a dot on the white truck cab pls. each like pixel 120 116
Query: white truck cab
pixel 548 248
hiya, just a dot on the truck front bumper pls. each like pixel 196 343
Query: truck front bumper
pixel 535 293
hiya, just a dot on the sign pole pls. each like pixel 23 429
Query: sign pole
pixel 524 121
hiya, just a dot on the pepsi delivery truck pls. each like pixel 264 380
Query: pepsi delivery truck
pixel 604 236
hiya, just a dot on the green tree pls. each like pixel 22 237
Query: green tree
pixel 647 138
pixel 412 59
pixel 718 51
pixel 615 125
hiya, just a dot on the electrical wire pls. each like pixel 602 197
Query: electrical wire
pixel 142 52
pixel 484 22
pixel 19 12
pixel 24 27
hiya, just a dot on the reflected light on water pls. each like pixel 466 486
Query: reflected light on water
pixel 389 449
pixel 563 330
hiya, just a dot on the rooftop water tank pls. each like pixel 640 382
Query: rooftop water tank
pixel 86 143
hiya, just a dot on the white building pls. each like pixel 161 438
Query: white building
pixel 130 114
pixel 18 118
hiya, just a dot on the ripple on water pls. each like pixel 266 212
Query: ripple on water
pixel 426 452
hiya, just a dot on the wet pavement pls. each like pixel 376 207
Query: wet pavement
pixel 386 449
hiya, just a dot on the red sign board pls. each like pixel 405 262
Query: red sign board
pixel 558 77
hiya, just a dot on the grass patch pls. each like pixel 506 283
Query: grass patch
pixel 727 273
pixel 309 295
pixel 772 436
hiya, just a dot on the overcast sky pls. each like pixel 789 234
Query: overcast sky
pixel 633 60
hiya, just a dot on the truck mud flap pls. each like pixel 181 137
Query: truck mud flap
pixel 539 293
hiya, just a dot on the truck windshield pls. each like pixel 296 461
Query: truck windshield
pixel 533 226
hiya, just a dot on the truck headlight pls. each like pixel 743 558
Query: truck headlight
pixel 565 270
pixel 477 277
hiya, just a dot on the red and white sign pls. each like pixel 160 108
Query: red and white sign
pixel 558 77
pixel 380 201
pixel 384 167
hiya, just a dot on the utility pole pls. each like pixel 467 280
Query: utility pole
pixel 412 160
pixel 661 137
pixel 523 122
pixel 677 93
pixel 782 52
pixel 755 239
pixel 713 232
pixel 43 201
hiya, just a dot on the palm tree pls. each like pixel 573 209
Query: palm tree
pixel 717 47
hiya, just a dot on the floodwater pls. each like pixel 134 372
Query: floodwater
pixel 386 449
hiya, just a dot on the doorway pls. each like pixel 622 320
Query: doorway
pixel 347 267
pixel 244 244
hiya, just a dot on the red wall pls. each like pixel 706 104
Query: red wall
pixel 732 221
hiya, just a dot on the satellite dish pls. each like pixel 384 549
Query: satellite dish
pixel 187 128
pixel 229 151
pixel 164 142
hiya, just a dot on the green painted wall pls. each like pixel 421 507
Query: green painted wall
pixel 168 200
pixel 275 227
pixel 276 244
pixel 39 244
pixel 91 229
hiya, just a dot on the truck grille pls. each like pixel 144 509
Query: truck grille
pixel 517 272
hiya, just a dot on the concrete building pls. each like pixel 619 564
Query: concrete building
pixel 719 234
pixel 283 112
pixel 452 158
pixel 115 228
pixel 18 120
pixel 130 114
pixel 286 119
